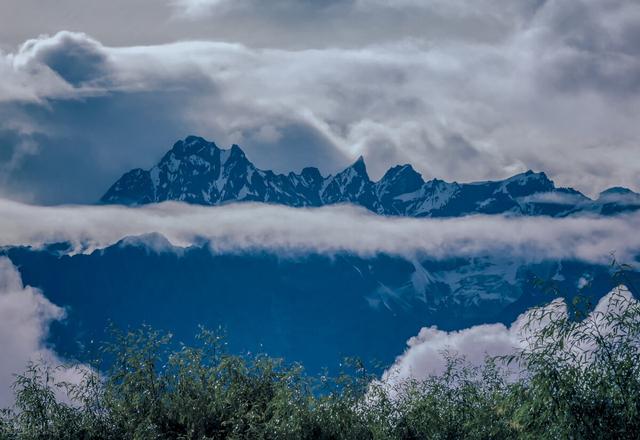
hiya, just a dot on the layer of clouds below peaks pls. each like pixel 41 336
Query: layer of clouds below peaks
pixel 497 88
pixel 331 230
pixel 426 352
pixel 25 316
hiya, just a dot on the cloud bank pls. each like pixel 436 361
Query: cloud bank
pixel 328 230
pixel 25 316
pixel 425 355
pixel 463 92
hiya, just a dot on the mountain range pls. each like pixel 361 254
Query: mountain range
pixel 197 171
pixel 313 308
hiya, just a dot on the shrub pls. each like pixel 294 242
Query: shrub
pixel 578 378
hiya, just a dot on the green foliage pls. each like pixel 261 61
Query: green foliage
pixel 583 376
pixel 463 402
pixel 577 379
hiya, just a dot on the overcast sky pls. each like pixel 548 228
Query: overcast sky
pixel 463 90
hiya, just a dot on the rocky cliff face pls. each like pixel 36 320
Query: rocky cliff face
pixel 197 171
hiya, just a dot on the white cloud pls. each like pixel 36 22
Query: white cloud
pixel 25 316
pixel 555 198
pixel 197 8
pixel 328 230
pixel 425 355
pixel 68 65
pixel 363 20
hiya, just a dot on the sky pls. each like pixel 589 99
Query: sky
pixel 462 90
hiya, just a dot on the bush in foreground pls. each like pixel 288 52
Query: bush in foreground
pixel 576 378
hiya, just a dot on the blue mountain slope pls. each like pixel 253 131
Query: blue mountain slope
pixel 197 171
pixel 316 309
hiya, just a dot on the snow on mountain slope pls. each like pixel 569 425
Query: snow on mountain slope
pixel 197 171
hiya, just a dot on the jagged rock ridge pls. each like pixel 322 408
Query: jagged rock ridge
pixel 197 171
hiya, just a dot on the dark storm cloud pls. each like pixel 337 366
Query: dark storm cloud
pixel 76 58
pixel 462 91
pixel 119 131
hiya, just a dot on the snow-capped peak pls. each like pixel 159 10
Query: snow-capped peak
pixel 197 171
